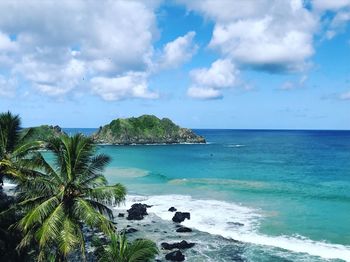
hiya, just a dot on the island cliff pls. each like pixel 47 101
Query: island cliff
pixel 146 129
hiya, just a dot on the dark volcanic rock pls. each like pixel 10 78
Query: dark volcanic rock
pixel 181 216
pixel 130 230
pixel 137 212
pixel 172 209
pixel 175 256
pixel 179 245
pixel 121 215
pixel 183 230
pixel 235 224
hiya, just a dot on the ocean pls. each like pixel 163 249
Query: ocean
pixel 254 195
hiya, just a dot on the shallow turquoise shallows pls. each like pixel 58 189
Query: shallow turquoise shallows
pixel 295 184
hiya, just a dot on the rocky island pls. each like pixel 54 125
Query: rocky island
pixel 146 129
pixel 44 132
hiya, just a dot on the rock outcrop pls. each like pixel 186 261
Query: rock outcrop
pixel 137 211
pixel 181 216
pixel 178 245
pixel 175 256
pixel 183 230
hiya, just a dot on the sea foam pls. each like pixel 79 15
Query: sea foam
pixel 234 221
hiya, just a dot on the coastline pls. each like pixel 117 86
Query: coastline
pixel 152 144
pixel 235 223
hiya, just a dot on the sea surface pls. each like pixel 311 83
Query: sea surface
pixel 254 195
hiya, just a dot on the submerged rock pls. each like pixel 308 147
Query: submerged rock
pixel 121 215
pixel 236 224
pixel 172 209
pixel 183 230
pixel 179 245
pixel 181 216
pixel 137 212
pixel 175 256
pixel 129 230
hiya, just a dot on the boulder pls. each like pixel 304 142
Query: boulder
pixel 183 230
pixel 121 215
pixel 130 230
pixel 137 212
pixel 175 256
pixel 181 216
pixel 172 209
pixel 179 245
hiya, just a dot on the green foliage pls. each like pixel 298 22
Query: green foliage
pixel 118 249
pixel 62 198
pixel 9 236
pixel 54 201
pixel 146 125
pixel 16 147
pixel 44 132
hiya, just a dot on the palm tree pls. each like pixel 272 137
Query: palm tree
pixel 119 249
pixel 15 147
pixel 65 196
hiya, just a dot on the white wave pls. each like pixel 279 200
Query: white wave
pixel 236 145
pixel 8 185
pixel 235 221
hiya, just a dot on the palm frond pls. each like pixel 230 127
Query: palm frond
pixel 86 212
pixel 111 195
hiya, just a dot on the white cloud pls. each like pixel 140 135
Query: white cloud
pixel 50 78
pixel 59 46
pixel 6 44
pixel 7 86
pixel 129 85
pixel 333 25
pixel 330 4
pixel 227 10
pixel 203 93
pixel 345 96
pixel 207 82
pixel 338 23
pixel 291 85
pixel 267 35
pixel 178 51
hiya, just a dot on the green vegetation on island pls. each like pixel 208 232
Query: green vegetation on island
pixel 146 129
pixel 44 132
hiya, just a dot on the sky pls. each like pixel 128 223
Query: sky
pixel 245 64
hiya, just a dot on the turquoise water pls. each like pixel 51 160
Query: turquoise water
pixel 296 185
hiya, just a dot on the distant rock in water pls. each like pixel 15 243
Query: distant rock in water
pixel 146 129
pixel 44 132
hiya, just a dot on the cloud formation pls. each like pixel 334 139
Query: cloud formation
pixel 128 85
pixel 178 51
pixel 291 85
pixel 345 96
pixel 274 36
pixel 207 83
pixel 59 46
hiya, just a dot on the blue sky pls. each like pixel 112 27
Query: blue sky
pixel 204 64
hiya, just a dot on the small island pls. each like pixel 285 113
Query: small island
pixel 44 132
pixel 146 129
